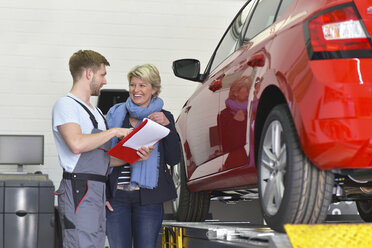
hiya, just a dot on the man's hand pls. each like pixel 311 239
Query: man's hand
pixel 79 142
pixel 122 132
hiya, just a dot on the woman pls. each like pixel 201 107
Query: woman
pixel 134 206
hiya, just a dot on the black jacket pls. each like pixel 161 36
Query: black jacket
pixel 170 153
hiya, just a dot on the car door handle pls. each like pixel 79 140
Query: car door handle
pixel 257 60
pixel 215 85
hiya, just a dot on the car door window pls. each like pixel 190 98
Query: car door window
pixel 262 17
pixel 229 42
pixel 283 7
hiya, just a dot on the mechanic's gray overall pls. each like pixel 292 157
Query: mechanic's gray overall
pixel 81 198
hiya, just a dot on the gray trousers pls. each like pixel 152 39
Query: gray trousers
pixel 85 227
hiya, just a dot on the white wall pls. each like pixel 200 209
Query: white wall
pixel 38 37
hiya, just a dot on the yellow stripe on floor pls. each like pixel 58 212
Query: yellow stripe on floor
pixel 330 235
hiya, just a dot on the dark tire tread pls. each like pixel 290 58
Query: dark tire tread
pixel 365 209
pixel 308 190
pixel 193 206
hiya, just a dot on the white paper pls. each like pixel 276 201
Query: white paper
pixel 148 135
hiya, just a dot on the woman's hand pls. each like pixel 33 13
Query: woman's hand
pixel 109 207
pixel 145 152
pixel 159 117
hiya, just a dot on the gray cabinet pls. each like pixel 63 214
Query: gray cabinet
pixel 26 211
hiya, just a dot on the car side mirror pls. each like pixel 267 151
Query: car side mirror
pixel 187 69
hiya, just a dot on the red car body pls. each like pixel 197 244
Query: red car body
pixel 330 101
pixel 285 106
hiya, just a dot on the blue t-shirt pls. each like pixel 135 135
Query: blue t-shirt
pixel 67 110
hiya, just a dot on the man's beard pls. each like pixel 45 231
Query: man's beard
pixel 95 89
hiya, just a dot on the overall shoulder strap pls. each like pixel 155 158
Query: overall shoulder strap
pixel 99 111
pixel 91 116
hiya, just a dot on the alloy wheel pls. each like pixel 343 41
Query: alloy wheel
pixel 273 168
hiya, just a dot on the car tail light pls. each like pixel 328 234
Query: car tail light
pixel 338 30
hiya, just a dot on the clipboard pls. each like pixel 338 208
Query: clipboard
pixel 146 134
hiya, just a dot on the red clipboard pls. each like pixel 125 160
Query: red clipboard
pixel 129 154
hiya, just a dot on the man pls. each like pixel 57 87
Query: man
pixel 82 139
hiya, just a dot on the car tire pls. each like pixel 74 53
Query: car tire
pixel 189 206
pixel 365 209
pixel 291 188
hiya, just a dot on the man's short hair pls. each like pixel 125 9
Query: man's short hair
pixel 84 59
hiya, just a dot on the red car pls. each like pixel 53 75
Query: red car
pixel 284 110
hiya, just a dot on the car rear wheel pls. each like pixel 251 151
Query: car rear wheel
pixel 189 206
pixel 291 188
pixel 365 209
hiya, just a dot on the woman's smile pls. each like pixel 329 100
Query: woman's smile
pixel 140 91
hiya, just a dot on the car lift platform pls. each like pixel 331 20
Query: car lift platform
pixel 220 234
pixel 243 235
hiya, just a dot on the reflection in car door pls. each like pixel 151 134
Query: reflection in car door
pixel 202 108
pixel 233 116
pixel 206 144
pixel 248 66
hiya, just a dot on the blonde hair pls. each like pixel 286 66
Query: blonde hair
pixel 243 82
pixel 148 73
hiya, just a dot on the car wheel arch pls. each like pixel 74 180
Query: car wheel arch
pixel 270 97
